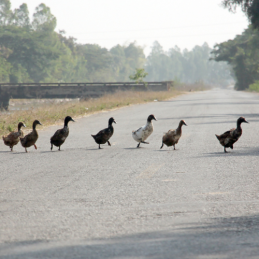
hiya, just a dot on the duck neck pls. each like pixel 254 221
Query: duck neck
pixel 19 127
pixel 239 125
pixel 179 129
pixel 66 124
pixel 110 125
pixel 34 126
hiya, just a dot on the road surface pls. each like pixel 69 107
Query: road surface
pixel 123 202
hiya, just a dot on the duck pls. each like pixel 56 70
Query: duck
pixel 141 134
pixel 172 137
pixel 13 138
pixel 31 138
pixel 104 135
pixel 228 138
pixel 60 135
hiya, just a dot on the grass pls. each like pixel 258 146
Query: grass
pixel 53 113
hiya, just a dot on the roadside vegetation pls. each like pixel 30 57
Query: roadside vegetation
pixel 53 113
pixel 242 53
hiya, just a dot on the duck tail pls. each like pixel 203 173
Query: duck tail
pixel 217 136
pixel 93 136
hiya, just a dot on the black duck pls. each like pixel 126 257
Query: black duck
pixel 31 138
pixel 104 135
pixel 228 138
pixel 60 135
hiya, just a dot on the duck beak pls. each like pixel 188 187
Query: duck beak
pixel 185 124
pixel 40 124
pixel 155 118
pixel 115 122
pixel 24 125
pixel 72 120
pixel 246 121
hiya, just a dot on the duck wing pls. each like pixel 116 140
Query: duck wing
pixel 103 135
pixel 228 138
pixel 60 135
pixel 29 139
pixel 169 138
pixel 138 134
pixel 13 138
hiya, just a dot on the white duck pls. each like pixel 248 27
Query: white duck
pixel 144 132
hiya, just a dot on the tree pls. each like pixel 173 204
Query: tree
pixel 5 12
pixel 21 16
pixel 43 19
pixel 250 7
pixel 139 75
pixel 242 54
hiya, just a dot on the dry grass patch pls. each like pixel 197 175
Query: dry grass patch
pixel 50 114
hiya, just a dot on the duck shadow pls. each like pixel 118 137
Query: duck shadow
pixel 249 152
pixel 94 149
pixel 51 151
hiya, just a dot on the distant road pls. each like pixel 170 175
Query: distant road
pixel 123 202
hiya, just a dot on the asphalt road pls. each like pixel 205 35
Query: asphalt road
pixel 123 202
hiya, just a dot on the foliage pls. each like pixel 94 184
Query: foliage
pixel 242 54
pixel 186 66
pixel 32 51
pixel 139 75
pixel 250 7
pixel 254 86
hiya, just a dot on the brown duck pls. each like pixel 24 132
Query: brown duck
pixel 31 138
pixel 172 137
pixel 60 135
pixel 228 138
pixel 104 135
pixel 13 138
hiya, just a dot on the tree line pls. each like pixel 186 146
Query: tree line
pixel 242 53
pixel 32 51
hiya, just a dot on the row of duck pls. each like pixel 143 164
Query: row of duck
pixel 140 135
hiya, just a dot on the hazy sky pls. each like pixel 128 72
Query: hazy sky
pixel 171 22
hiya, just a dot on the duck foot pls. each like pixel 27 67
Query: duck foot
pixel 109 143
pixel 35 146
pixel 162 146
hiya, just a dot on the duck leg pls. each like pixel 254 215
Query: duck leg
pixel 162 145
pixel 26 150
pixel 51 147
pixel 35 146
pixel 11 148
pixel 174 147
pixel 225 150
pixel 59 148
pixel 138 145
pixel 108 143
pixel 100 146
pixel 144 142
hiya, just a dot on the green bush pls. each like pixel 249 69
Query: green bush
pixel 254 86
